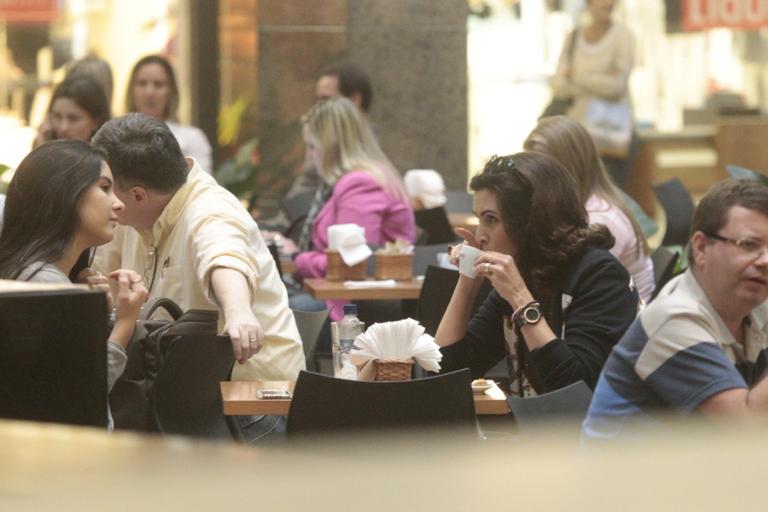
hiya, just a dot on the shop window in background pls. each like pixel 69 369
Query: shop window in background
pixel 35 49
pixel 683 73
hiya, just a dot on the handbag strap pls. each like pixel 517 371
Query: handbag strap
pixel 170 306
pixel 194 321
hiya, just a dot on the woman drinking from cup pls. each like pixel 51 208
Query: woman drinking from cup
pixel 560 299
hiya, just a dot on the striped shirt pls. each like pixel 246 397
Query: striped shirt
pixel 676 355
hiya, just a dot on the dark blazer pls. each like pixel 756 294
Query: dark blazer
pixel 590 314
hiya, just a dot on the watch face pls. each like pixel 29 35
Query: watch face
pixel 532 315
pixel 529 315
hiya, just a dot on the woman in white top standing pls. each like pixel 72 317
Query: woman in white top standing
pixel 153 91
pixel 569 143
pixel 598 67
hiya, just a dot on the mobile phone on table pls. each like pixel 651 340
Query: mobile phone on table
pixel 272 394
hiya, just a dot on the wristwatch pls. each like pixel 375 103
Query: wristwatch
pixel 527 315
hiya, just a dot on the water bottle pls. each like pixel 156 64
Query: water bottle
pixel 348 329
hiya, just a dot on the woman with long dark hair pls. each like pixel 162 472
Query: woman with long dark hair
pixel 60 203
pixel 560 300
pixel 77 110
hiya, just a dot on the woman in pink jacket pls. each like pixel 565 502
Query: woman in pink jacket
pixel 363 187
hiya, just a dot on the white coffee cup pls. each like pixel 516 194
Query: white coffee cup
pixel 467 258
pixel 444 261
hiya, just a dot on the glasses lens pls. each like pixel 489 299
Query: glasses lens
pixel 750 246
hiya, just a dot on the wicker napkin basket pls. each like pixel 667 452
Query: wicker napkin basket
pixel 394 266
pixel 392 369
pixel 337 270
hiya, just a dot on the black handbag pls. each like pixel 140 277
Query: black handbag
pixel 151 340
pixel 561 106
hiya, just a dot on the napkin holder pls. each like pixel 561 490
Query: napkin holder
pixel 337 270
pixel 392 369
pixel 394 266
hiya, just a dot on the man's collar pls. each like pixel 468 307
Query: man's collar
pixel 758 317
pixel 175 206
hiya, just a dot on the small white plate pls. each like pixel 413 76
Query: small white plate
pixel 480 386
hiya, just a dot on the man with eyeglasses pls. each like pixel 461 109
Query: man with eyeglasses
pixel 702 345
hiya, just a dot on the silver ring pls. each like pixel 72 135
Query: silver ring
pixel 487 268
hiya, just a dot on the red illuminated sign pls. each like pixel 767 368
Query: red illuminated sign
pixel 28 11
pixel 705 14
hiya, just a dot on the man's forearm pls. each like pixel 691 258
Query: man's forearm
pixel 231 290
pixel 738 402
pixel 233 295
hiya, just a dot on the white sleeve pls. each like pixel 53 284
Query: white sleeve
pixel 116 361
pixel 199 148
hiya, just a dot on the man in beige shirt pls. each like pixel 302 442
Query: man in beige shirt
pixel 194 243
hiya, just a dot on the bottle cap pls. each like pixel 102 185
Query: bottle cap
pixel 350 309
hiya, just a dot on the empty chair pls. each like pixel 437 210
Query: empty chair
pixel 310 324
pixel 275 256
pixel 436 292
pixel 325 405
pixel 741 173
pixel 53 355
pixel 678 206
pixel 435 225
pixel 458 201
pixel 186 398
pixel 664 262
pixel 647 225
pixel 426 255
pixel 296 209
pixel 563 407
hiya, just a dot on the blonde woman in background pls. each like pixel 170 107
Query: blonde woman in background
pixel 364 188
pixel 153 91
pixel 569 143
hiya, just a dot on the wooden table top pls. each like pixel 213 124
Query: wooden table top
pixel 239 399
pixel 322 289
pixel 695 132
pixel 287 264
pixel 54 468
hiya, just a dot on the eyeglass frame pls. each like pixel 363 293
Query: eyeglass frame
pixel 739 244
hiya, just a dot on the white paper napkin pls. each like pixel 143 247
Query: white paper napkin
pixel 403 339
pixel 425 185
pixel 383 283
pixel 349 240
